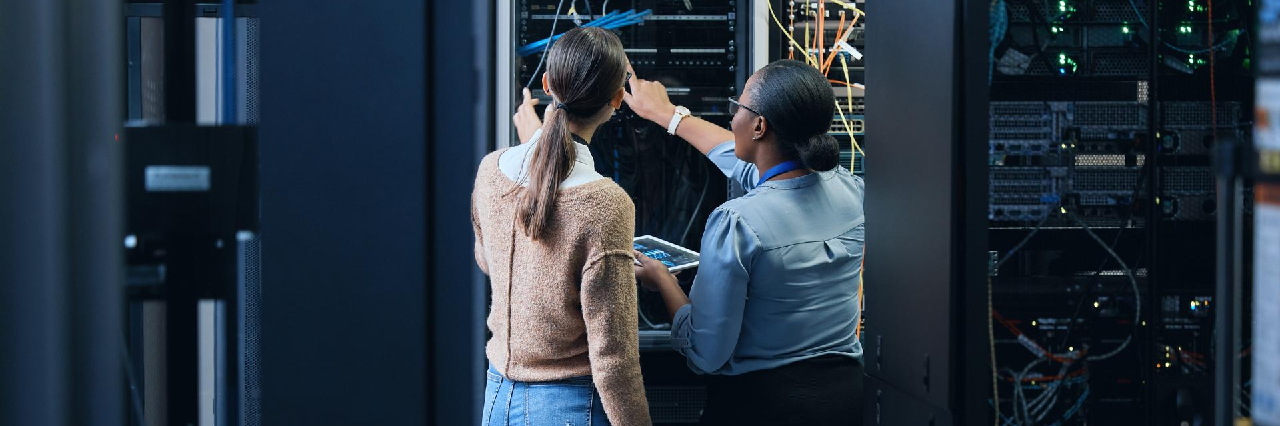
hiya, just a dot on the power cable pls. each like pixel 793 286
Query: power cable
pixel 706 184
pixel 132 376
pixel 1137 296
pixel 543 57
pixel 991 334
pixel 1137 188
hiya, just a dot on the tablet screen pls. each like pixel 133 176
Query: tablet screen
pixel 675 257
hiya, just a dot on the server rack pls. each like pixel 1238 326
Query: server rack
pixel 1103 132
pixel 193 293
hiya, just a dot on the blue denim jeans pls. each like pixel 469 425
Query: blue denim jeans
pixel 568 402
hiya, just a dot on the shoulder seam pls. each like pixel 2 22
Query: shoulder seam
pixel 591 262
pixel 737 217
pixel 859 225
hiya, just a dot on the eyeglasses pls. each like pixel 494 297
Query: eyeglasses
pixel 734 105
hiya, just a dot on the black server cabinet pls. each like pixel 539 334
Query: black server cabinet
pixel 926 351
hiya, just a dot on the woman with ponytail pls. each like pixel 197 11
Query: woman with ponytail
pixel 555 239
pixel 772 316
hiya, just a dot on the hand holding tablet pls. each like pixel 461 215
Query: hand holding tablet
pixel 675 258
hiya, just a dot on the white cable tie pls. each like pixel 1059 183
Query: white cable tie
pixel 846 48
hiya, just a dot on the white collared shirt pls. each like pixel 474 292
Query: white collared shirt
pixel 514 163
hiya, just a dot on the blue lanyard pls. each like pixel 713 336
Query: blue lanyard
pixel 784 167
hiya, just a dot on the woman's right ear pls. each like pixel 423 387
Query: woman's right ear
pixel 546 84
pixel 616 102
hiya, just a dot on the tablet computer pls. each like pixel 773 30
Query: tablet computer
pixel 675 257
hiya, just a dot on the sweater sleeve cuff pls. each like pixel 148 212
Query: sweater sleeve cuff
pixel 680 329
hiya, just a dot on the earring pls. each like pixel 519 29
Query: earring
pixel 756 137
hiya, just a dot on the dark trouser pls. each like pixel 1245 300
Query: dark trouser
pixel 821 391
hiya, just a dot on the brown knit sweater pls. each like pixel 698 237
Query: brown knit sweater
pixel 563 306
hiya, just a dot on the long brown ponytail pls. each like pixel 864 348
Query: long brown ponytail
pixel 585 68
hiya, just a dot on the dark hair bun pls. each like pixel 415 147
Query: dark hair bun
pixel 799 104
pixel 820 152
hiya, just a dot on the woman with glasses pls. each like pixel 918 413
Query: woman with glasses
pixel 772 316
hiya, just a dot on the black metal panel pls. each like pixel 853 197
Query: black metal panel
pixel 60 188
pixel 460 126
pixel 344 213
pixel 32 339
pixel 971 378
pixel 910 197
pixel 230 204
pixel 926 328
pixel 180 63
pixel 94 69
pixel 887 405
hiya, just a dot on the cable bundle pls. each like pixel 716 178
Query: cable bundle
pixel 611 21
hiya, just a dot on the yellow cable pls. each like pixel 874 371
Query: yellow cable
pixel 807 52
pixel 788 34
pixel 849 130
pixel 848 90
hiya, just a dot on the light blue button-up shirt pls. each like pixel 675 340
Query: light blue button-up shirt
pixel 778 275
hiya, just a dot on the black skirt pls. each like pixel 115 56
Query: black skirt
pixel 826 390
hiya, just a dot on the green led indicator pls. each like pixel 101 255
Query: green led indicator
pixel 1062 58
pixel 1125 29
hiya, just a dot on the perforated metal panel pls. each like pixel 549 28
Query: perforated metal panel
pixel 152 73
pixel 1187 180
pixel 1019 186
pixel 1128 115
pixel 1104 179
pixel 250 283
pixel 1020 121
pixel 1022 12
pixel 1118 64
pixel 1197 114
pixel 251 58
pixel 1116 11
pixel 1112 36
pixel 676 404
pixel 1041 66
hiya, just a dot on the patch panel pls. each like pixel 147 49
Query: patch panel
pixel 1022 193
pixel 857 125
pixel 849 157
pixel 1022 128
